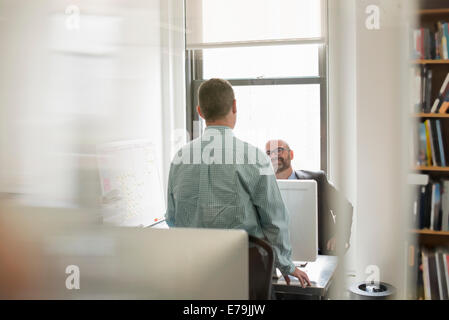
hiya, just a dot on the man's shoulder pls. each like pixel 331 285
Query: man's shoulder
pixel 315 175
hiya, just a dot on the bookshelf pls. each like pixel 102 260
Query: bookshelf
pixel 430 61
pixel 428 12
pixel 432 238
pixel 433 169
pixel 426 239
pixel 431 115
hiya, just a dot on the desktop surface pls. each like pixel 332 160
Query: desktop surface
pixel 320 273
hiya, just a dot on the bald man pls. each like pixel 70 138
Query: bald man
pixel 329 199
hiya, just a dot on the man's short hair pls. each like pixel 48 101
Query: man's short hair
pixel 216 98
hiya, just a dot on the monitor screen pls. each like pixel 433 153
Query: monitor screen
pixel 300 198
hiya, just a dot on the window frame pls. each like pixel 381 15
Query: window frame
pixel 194 78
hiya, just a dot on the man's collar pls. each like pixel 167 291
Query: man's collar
pixel 293 176
pixel 219 129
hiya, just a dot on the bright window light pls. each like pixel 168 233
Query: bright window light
pixel 261 62
pixel 288 112
pixel 237 20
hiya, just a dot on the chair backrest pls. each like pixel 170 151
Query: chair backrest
pixel 261 265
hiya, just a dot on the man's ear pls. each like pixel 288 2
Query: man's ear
pixel 292 155
pixel 234 107
pixel 198 109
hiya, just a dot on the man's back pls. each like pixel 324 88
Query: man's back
pixel 219 181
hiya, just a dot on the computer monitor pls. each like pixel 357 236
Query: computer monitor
pixel 300 198
pixel 100 262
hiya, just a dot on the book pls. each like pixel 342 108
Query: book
pixel 428 144
pixel 421 203
pixel 425 274
pixel 445 206
pixel 435 144
pixel 444 40
pixel 416 74
pixel 422 146
pixel 441 275
pixel 428 92
pixel 440 144
pixel 433 276
pixel 444 107
pixel 438 55
pixel 446 269
pixel 443 101
pixel 446 35
pixel 425 207
pixel 435 213
pixel 441 96
pixel 429 50
pixel 423 88
pixel 444 45
pixel 433 207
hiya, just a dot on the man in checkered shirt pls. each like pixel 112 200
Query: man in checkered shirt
pixel 219 181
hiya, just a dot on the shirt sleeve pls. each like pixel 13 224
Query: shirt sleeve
pixel 273 218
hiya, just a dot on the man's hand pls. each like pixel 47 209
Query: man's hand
pixel 302 276
pixel 331 244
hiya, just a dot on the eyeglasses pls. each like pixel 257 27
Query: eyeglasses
pixel 277 151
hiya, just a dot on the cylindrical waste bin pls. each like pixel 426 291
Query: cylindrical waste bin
pixel 372 291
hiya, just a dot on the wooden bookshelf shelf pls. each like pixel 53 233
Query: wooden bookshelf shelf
pixel 432 238
pixel 433 11
pixel 431 232
pixel 431 61
pixel 433 169
pixel 432 115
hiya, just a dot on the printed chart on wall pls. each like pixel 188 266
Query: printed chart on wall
pixel 131 187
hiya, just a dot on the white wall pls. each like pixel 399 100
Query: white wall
pixel 366 128
pixel 342 109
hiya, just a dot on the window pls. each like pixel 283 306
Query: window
pixel 274 54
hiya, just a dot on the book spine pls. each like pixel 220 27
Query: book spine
pixel 437 210
pixel 445 207
pixel 443 92
pixel 432 208
pixel 444 47
pixel 439 275
pixel 426 278
pixel 440 143
pixel 428 144
pixel 422 160
pixel 429 90
pixel 435 144
pixel 444 107
pixel 421 43
pixel 433 276
pixel 446 269
pixel 423 89
pixel 446 34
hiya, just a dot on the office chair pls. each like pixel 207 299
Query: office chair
pixel 261 265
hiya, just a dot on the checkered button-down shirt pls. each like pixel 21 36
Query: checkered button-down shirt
pixel 219 181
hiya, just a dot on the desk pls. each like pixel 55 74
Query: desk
pixel 320 274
